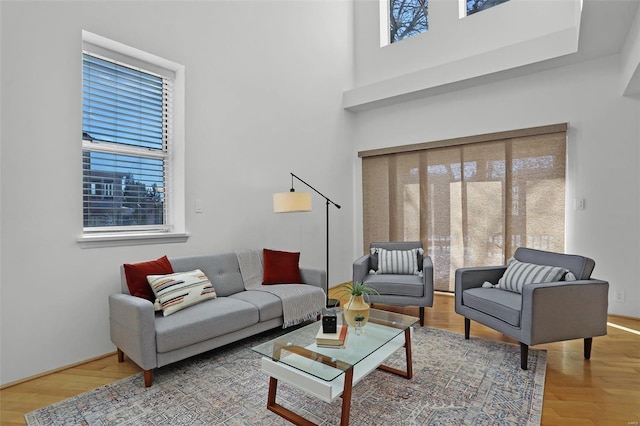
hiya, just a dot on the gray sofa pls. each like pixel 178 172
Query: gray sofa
pixel 543 312
pixel 152 340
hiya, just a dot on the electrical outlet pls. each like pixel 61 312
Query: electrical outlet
pixel 579 203
pixel 619 296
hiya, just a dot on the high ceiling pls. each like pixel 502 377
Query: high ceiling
pixel 604 27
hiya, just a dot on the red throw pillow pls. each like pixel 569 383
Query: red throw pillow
pixel 136 275
pixel 281 267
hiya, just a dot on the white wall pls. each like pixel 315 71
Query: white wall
pixel 603 152
pixel 264 83
pixel 513 34
pixel 603 149
pixel 630 56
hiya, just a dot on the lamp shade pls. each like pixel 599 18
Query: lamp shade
pixel 289 202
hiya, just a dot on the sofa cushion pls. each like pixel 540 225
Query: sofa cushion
pixel 269 305
pixel 222 269
pixel 397 261
pixel 180 290
pixel 136 276
pixel 396 285
pixel 501 304
pixel 203 321
pixel 519 274
pixel 281 267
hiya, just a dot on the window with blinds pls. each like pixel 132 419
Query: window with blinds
pixel 127 145
pixel 471 201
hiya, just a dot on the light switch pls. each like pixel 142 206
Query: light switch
pixel 580 203
pixel 199 206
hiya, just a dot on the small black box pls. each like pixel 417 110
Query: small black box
pixel 329 324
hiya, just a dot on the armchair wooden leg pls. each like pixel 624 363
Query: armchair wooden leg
pixel 524 355
pixel 587 347
pixel 467 328
pixel 148 377
pixel 421 316
pixel 120 355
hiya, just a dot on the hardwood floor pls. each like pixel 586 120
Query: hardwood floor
pixel 602 391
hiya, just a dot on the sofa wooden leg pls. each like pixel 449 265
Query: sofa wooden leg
pixel 421 316
pixel 467 328
pixel 587 347
pixel 524 355
pixel 120 355
pixel 148 377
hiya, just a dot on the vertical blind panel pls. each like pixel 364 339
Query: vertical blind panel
pixel 470 205
pixel 443 177
pixel 375 203
pixel 538 192
pixel 122 105
pixel 406 204
pixel 482 217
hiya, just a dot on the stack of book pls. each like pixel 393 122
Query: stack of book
pixel 332 340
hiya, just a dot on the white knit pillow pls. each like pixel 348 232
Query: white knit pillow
pixel 181 290
pixel 518 274
pixel 398 261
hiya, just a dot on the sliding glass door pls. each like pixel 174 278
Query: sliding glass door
pixel 471 201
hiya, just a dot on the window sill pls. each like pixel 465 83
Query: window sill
pixel 119 240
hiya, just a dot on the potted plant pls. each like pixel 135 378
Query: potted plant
pixel 356 304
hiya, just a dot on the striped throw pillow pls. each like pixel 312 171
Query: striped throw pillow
pixel 181 290
pixel 398 261
pixel 518 274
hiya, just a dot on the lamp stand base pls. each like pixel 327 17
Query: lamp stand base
pixel 333 303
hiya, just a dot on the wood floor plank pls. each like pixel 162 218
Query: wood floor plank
pixel 602 391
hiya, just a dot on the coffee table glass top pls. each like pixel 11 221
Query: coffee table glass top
pixel 298 349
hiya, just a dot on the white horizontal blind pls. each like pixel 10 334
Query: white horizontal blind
pixel 126 128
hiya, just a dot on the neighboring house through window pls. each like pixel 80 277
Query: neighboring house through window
pixel 132 155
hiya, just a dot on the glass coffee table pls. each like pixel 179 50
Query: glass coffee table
pixel 328 373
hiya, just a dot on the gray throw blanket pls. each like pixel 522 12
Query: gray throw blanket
pixel 300 302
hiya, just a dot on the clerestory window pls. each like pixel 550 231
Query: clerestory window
pixel 130 169
pixel 407 18
pixel 475 6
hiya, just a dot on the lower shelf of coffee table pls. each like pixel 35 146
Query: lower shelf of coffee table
pixel 327 391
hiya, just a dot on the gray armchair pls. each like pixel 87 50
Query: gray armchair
pixel 397 289
pixel 543 312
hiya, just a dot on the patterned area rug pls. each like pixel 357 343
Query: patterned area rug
pixel 456 382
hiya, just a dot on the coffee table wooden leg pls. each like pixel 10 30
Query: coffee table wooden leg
pixel 346 397
pixel 407 350
pixel 297 419
pixel 408 374
pixel 283 412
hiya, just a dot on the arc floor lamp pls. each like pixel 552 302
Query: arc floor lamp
pixel 292 201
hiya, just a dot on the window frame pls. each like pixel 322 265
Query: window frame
pixel 385 20
pixel 174 230
pixel 464 11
